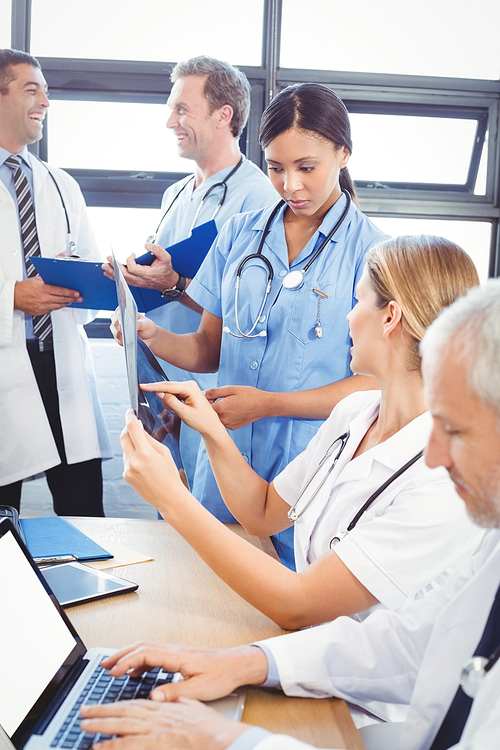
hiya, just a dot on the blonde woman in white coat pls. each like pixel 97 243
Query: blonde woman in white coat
pixel 405 540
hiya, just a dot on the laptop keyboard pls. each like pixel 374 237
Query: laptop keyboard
pixel 103 688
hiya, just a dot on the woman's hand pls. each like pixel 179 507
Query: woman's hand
pixel 189 403
pixel 239 405
pixel 145 725
pixel 146 328
pixel 148 466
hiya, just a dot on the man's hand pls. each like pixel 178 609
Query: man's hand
pixel 209 673
pixel 145 725
pixel 159 275
pixel 146 328
pixel 33 297
pixel 238 405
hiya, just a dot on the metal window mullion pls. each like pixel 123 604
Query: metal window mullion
pixel 475 161
pixel 271 45
pixel 21 25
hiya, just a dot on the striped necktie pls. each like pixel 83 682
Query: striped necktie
pixel 42 324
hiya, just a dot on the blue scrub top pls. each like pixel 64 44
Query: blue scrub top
pixel 290 357
pixel 247 190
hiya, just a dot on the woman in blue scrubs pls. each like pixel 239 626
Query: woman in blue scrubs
pixel 282 358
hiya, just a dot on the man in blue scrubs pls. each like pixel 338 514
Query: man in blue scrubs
pixel 209 103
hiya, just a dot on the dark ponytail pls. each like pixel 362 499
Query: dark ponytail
pixel 310 106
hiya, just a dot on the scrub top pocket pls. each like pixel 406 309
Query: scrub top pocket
pixel 304 313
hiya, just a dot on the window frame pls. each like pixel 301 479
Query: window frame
pixel 111 80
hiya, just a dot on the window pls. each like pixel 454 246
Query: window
pixel 117 136
pixel 452 38
pixel 122 230
pixel 158 30
pixel 420 79
pixel 411 149
pixel 472 236
pixel 5 23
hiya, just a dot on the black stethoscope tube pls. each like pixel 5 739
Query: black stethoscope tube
pixel 68 227
pixel 267 228
pixel 222 184
pixel 291 275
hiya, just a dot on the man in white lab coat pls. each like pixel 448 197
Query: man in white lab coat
pixel 51 419
pixel 413 656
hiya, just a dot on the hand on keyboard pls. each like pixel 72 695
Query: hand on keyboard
pixel 208 673
pixel 184 724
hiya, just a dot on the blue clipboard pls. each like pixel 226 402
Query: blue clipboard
pixel 86 277
pixel 188 255
pixel 52 537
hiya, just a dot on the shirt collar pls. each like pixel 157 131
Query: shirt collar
pixel 393 452
pixel 24 154
pixel 219 176
pixel 326 225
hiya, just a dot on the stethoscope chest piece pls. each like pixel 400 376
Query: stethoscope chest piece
pixel 473 672
pixel 293 280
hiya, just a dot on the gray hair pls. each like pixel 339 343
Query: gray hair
pixel 224 84
pixel 9 59
pixel 470 330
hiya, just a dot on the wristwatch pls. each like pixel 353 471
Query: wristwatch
pixel 175 293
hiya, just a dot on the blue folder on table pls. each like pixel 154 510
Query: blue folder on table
pixel 86 277
pixel 52 537
pixel 187 255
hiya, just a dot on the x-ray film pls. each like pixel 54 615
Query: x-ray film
pixel 143 367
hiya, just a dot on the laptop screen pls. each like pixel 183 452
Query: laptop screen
pixel 35 642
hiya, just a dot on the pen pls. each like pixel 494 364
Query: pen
pixel 54 560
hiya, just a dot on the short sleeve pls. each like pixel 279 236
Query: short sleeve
pixel 205 288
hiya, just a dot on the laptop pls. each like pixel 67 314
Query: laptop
pixel 46 673
pixel 143 367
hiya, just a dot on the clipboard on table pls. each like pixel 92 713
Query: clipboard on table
pixel 54 537
pixel 188 255
pixel 86 277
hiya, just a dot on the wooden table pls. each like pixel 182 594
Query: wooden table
pixel 180 600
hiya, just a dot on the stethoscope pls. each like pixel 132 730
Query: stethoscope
pixel 294 515
pixel 210 190
pixel 70 244
pixel 293 279
pixel 475 670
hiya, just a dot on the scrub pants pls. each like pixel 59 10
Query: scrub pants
pixel 76 488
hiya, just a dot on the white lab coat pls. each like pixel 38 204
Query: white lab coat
pixel 414 656
pixel 26 442
pixel 403 525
